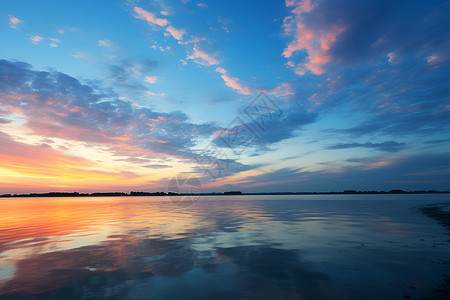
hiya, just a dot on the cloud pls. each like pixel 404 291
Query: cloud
pixel 285 89
pixel 128 73
pixel 164 13
pixel 104 43
pixel 327 35
pixel 275 126
pixel 437 141
pixel 176 33
pixel 54 42
pixel 431 59
pixel 56 105
pixel 202 5
pixel 13 21
pixel 234 83
pixel 316 42
pixel 35 39
pixel 391 57
pixel 422 171
pixel 203 58
pixel 157 166
pixel 149 17
pixel 221 70
pixel 41 162
pixel 151 79
pixel 388 146
pixel 407 98
pixel 80 54
pixel 224 23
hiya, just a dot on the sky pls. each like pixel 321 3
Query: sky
pixel 257 96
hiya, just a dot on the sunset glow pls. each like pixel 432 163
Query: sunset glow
pixel 124 95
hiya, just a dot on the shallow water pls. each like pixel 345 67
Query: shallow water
pixel 255 247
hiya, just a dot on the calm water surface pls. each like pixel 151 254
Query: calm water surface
pixel 246 247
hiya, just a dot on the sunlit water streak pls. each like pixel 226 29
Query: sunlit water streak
pixel 316 247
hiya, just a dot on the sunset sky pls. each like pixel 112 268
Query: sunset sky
pixel 123 95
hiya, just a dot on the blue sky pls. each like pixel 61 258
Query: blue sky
pixel 124 95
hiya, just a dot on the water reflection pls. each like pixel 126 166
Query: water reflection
pixel 133 248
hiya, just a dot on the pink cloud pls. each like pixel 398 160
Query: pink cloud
pixel 164 13
pixel 391 56
pixel 13 21
pixel 205 58
pixel 221 70
pixel 151 79
pixel 431 58
pixel 149 17
pixel 176 33
pixel 234 84
pixel 316 42
pixel 283 90
pixel 300 6
pixel 35 39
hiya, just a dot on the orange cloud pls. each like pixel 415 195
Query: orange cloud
pixel 41 167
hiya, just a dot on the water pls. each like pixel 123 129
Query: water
pixel 255 247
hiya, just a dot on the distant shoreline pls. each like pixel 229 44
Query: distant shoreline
pixel 231 193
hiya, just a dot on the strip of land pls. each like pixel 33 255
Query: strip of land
pixel 229 193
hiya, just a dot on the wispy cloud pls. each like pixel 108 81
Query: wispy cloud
pixel 80 54
pixel 431 58
pixel 54 42
pixel 388 146
pixel 283 90
pixel 203 58
pixel 176 33
pixel 104 43
pixel 224 23
pixel 156 166
pixel 35 39
pixel 149 17
pixel 151 79
pixel 13 22
pixel 74 111
pixel 234 83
